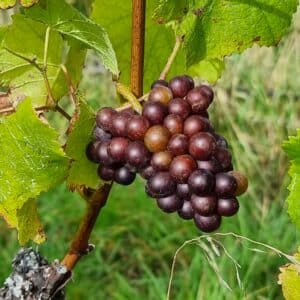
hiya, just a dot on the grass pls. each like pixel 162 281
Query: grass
pixel 256 107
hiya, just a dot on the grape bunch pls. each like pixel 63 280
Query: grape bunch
pixel 173 146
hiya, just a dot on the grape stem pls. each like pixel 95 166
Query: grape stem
pixel 72 89
pixel 165 71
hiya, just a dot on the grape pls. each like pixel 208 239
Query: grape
pixel 157 138
pixel 137 154
pixel 210 165
pixel 183 191
pixel 117 149
pixel 160 185
pixel 190 81
pixel 178 144
pixel 101 134
pixel 186 212
pixel 182 167
pixel 226 185
pixel 102 153
pixel 161 160
pixel 130 167
pixel 228 207
pixel 173 123
pixel 242 182
pixel 137 127
pixel 170 203
pixel 224 158
pixel 221 141
pixel 159 82
pixel 104 117
pixel 92 151
pixel 128 112
pixel 207 223
pixel 194 124
pixel 200 98
pixel 203 114
pixel 155 112
pixel 106 173
pixel 119 124
pixel 160 94
pixel 201 182
pixel 202 145
pixel 179 107
pixel 147 172
pixel 180 86
pixel 204 205
pixel 124 176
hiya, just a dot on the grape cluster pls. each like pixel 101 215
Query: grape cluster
pixel 172 144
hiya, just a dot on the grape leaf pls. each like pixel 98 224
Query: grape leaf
pixel 31 161
pixel 65 19
pixel 289 279
pixel 82 171
pixel 292 148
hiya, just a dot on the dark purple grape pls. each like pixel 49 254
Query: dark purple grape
pixel 183 191
pixel 137 155
pixel 102 153
pixel 128 112
pixel 211 165
pixel 180 86
pixel 203 114
pixel 147 172
pixel 137 127
pixel 200 98
pixel 201 182
pixel 174 123
pixel 182 167
pixel 117 149
pixel 170 203
pixel 186 212
pixel 104 117
pixel 207 223
pixel 221 141
pixel 106 173
pixel 124 176
pixel 119 125
pixel 226 185
pixel 160 94
pixel 160 185
pixel 92 151
pixel 190 81
pixel 179 107
pixel 101 134
pixel 204 205
pixel 161 160
pixel 157 138
pixel 228 207
pixel 223 156
pixel 131 168
pixel 159 82
pixel 154 112
pixel 178 144
pixel 202 145
pixel 195 124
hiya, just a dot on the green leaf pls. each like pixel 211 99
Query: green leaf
pixel 83 171
pixel 292 148
pixel 4 4
pixel 31 161
pixel 65 19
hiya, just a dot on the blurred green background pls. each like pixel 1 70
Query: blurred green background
pixel 257 106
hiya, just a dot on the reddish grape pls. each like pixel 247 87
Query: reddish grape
pixel 183 191
pixel 180 86
pixel 228 207
pixel 242 182
pixel 161 160
pixel 101 134
pixel 186 212
pixel 204 205
pixel 195 124
pixel 203 114
pixel 179 107
pixel 159 82
pixel 201 182
pixel 160 94
pixel 202 145
pixel 170 203
pixel 104 117
pixel 147 172
pixel 124 176
pixel 182 167
pixel 200 98
pixel 160 185
pixel 155 112
pixel 117 149
pixel 119 124
pixel 178 144
pixel 190 81
pixel 174 123
pixel 137 127
pixel 137 154
pixel 226 185
pixel 157 138
pixel 207 223
pixel 128 112
pixel 106 173
pixel 92 151
pixel 210 165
